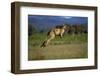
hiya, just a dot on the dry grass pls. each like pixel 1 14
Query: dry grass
pixel 65 51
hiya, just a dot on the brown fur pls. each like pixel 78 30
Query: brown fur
pixel 56 31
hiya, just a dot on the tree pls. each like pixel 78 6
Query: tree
pixel 31 30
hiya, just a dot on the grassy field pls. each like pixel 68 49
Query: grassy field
pixel 68 47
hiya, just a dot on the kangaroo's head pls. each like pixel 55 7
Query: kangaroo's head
pixel 66 26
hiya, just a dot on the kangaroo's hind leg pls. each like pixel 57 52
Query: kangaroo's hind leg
pixel 47 41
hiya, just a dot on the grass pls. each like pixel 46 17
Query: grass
pixel 38 38
pixel 68 47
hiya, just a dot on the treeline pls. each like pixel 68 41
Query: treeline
pixel 71 29
pixel 76 29
pixel 31 30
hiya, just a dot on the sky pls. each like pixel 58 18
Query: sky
pixel 44 22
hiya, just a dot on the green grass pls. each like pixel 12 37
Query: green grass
pixel 68 47
pixel 37 39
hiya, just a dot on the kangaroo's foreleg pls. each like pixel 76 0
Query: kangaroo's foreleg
pixel 62 33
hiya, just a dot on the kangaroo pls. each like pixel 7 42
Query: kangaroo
pixel 56 31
